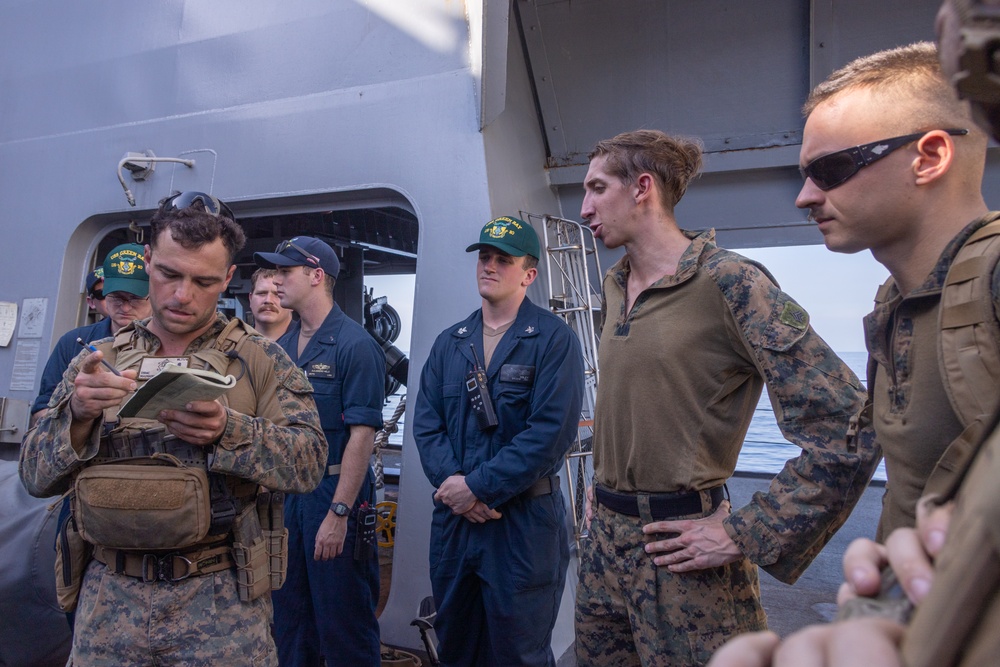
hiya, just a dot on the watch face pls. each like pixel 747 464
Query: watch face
pixel 340 509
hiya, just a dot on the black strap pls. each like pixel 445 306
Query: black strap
pixel 661 505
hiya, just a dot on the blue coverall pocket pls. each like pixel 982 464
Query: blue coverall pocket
pixel 537 537
pixel 452 396
pixel 329 402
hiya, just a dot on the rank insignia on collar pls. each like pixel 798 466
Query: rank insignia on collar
pixel 462 331
pixel 529 330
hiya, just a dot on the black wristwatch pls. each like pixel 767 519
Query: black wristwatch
pixel 340 509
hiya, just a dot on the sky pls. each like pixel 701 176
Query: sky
pixel 836 289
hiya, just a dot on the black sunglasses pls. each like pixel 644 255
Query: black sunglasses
pixel 832 169
pixel 285 245
pixel 182 200
pixel 97 294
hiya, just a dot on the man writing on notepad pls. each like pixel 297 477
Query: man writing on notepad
pixel 166 525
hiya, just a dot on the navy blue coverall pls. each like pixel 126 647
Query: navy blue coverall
pixel 497 585
pixel 327 608
pixel 64 352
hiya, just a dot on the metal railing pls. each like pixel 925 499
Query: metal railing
pixel 574 275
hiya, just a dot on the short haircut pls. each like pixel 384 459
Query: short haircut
pixel 671 161
pixel 530 262
pixel 258 274
pixel 329 281
pixel 192 227
pixel 910 72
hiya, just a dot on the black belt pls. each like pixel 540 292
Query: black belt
pixel 661 505
pixel 542 487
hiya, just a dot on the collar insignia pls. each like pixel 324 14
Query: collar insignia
pixel 529 330
pixel 462 331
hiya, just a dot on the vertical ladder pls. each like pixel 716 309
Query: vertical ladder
pixel 574 269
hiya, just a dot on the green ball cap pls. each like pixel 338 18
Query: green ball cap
pixel 125 270
pixel 512 235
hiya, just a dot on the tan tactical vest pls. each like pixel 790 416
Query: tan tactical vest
pixel 128 349
pixel 968 353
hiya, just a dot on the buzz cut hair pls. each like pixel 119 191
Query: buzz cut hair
pixel 911 72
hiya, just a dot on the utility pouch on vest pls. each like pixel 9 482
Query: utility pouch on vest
pixel 146 503
pixel 250 553
pixel 73 554
pixel 271 513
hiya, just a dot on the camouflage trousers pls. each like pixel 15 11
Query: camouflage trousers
pixel 631 612
pixel 121 620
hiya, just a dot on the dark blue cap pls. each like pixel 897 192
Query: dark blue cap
pixel 301 251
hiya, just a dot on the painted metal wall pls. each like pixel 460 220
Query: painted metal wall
pixel 308 98
pixel 317 104
pixel 733 73
pixel 301 106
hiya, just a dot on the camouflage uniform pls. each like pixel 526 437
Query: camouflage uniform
pixel 913 419
pixel 703 342
pixel 272 438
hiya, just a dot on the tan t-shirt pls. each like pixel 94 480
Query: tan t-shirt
pixel 678 387
pixel 492 338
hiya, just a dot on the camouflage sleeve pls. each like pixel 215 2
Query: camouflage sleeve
pixel 47 459
pixel 282 447
pixel 814 395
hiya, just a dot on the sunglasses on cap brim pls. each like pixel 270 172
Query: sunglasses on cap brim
pixel 285 245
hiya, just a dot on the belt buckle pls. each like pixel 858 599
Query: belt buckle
pixel 161 568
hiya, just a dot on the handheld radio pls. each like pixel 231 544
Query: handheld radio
pixel 365 540
pixel 479 395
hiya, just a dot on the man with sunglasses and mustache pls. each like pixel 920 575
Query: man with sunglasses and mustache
pixel 326 609
pixel 893 163
pixel 948 565
pixel 170 506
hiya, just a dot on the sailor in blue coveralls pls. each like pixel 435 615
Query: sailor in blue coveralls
pixel 326 609
pixel 499 540
pixel 121 299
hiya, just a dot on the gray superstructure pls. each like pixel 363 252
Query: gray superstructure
pixel 393 129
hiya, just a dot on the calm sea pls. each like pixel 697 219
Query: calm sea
pixel 765 449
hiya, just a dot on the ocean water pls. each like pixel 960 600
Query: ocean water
pixel 765 449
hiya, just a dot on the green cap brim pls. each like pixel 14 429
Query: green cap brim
pixel 509 249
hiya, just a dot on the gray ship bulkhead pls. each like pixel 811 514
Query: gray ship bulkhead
pixel 394 130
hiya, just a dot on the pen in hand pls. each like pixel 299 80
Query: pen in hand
pixel 103 361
